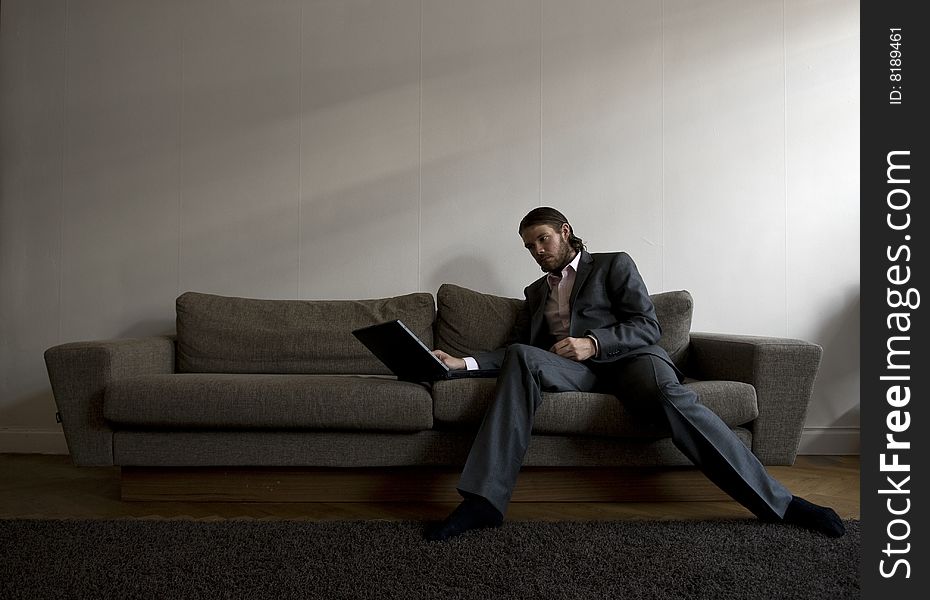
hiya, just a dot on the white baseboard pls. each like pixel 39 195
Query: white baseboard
pixel 841 441
pixel 31 440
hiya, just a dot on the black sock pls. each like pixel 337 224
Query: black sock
pixel 474 512
pixel 816 518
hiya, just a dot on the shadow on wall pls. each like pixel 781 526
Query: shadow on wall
pixel 837 387
pixel 33 409
pixel 476 273
pixel 228 242
pixel 149 328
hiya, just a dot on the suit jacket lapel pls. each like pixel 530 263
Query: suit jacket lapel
pixel 585 266
pixel 584 269
pixel 540 293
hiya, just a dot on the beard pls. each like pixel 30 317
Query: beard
pixel 554 263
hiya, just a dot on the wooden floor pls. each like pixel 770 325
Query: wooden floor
pixel 49 486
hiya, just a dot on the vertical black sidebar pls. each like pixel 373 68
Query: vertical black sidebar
pixel 895 369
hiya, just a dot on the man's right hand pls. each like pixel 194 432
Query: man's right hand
pixel 450 361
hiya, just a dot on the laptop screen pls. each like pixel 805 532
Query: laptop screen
pixel 402 351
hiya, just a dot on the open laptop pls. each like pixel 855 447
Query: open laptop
pixel 403 353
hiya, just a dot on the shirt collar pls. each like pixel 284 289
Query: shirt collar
pixel 573 264
pixel 554 279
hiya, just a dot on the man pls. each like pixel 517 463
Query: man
pixel 590 324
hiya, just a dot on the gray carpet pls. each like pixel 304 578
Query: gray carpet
pixel 389 559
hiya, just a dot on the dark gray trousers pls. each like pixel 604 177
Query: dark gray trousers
pixel 644 382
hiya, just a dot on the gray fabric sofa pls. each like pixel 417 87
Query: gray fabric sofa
pixel 284 383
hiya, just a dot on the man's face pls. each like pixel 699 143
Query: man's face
pixel 548 246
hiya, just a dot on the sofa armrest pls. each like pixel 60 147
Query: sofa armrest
pixel 80 371
pixel 782 372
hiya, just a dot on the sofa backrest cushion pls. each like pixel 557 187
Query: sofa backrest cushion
pixel 222 334
pixel 673 311
pixel 468 321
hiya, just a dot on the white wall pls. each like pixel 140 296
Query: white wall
pixel 365 148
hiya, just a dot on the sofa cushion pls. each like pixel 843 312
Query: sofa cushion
pixel 468 321
pixel 673 311
pixel 223 401
pixel 221 334
pixel 463 402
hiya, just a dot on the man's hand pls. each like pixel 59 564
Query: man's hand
pixel 450 361
pixel 577 349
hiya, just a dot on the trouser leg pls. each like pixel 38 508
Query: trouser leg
pixel 702 436
pixel 504 435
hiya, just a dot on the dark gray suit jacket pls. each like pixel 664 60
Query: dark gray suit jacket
pixel 609 301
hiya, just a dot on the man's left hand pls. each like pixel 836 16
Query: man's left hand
pixel 577 349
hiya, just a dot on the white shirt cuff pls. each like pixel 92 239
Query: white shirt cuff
pixel 470 363
pixel 597 347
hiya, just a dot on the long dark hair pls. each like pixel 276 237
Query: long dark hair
pixel 545 215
